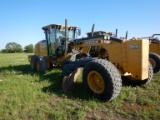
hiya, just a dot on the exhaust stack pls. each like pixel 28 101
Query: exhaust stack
pixel 66 35
pixel 116 32
pixel 93 29
pixel 126 35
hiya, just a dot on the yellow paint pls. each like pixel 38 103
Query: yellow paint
pixel 155 48
pixel 129 56
pixel 40 49
pixel 61 58
pixel 96 82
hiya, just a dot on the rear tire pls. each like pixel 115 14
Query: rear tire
pixel 41 65
pixel 129 80
pixel 33 62
pixel 102 79
pixel 155 61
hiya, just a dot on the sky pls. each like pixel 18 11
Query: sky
pixel 21 21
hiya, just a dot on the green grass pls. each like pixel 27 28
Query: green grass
pixel 29 95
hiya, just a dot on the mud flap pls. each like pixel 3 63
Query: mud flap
pixel 70 80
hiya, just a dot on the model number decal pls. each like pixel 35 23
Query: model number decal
pixel 92 42
pixel 133 46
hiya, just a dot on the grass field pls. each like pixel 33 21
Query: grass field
pixel 29 95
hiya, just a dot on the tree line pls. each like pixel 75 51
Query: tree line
pixel 13 47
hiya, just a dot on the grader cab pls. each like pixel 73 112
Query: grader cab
pixel 52 51
pixel 105 59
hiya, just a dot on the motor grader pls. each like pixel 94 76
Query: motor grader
pixel 154 51
pixel 154 47
pixel 104 59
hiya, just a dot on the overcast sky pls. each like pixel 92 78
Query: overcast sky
pixel 21 20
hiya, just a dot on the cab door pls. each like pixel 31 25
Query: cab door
pixel 51 41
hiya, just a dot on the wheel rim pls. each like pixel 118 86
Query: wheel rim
pixel 38 65
pixel 95 82
pixel 152 62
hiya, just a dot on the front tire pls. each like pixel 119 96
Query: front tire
pixel 102 79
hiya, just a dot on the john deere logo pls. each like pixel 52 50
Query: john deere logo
pixel 92 42
pixel 133 46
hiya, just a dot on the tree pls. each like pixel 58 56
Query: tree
pixel 13 47
pixel 29 48
pixel 4 51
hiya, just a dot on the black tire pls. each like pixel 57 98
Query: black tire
pixel 129 80
pixel 33 62
pixel 155 61
pixel 48 63
pixel 110 78
pixel 41 65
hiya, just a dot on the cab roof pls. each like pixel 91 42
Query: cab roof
pixel 56 25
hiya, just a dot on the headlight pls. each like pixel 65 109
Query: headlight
pixel 106 37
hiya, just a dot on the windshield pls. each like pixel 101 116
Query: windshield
pixel 55 37
pixel 61 34
pixel 71 34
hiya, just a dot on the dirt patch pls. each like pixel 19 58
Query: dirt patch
pixel 103 115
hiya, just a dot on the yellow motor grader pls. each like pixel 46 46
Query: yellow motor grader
pixel 154 51
pixel 154 47
pixel 105 59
